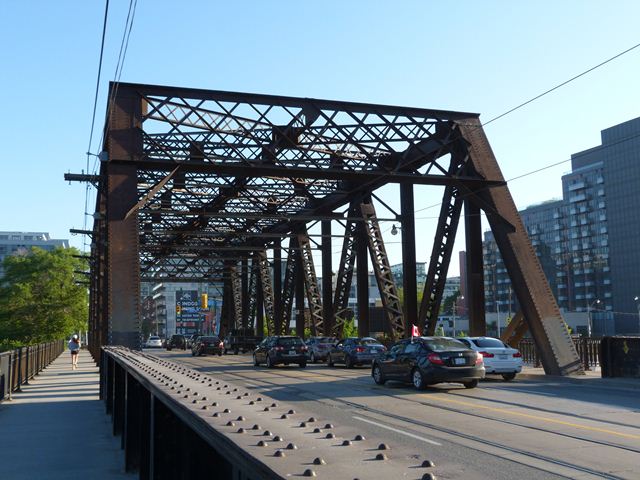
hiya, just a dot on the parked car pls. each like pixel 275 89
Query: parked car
pixel 191 340
pixel 177 341
pixel 153 341
pixel 428 360
pixel 319 348
pixel 280 349
pixel 354 351
pixel 207 344
pixel 499 358
pixel 241 340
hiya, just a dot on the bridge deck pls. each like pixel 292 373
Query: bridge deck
pixel 57 427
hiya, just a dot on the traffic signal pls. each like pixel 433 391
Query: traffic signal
pixel 178 309
pixel 204 301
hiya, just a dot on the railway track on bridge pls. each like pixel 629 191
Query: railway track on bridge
pixel 555 420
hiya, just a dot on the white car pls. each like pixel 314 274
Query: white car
pixel 499 358
pixel 153 342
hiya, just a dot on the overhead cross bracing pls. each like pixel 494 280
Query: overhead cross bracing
pixel 200 184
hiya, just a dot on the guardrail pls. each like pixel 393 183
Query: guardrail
pixel 18 366
pixel 588 351
pixel 176 422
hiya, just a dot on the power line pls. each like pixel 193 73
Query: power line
pixel 562 84
pixel 95 106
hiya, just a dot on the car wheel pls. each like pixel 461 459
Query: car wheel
pixel 269 364
pixel 303 365
pixel 220 353
pixel 418 379
pixel 168 349
pixel 377 375
pixel 235 351
pixel 193 354
pixel 348 362
pixel 256 363
pixel 226 351
pixel 508 376
pixel 471 384
pixel 312 358
pixel 329 361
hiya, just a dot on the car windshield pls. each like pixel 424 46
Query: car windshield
pixel 327 340
pixel 209 339
pixel 290 341
pixel 443 344
pixel 154 338
pixel 368 341
pixel 488 342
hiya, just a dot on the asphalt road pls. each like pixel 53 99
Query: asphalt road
pixel 529 428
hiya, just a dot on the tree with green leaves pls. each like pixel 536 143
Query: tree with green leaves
pixel 39 298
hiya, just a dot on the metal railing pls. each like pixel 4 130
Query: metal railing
pixel 18 366
pixel 588 350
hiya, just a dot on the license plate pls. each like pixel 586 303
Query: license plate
pixel 292 352
pixel 459 361
pixel 503 357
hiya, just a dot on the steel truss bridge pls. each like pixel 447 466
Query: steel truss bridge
pixel 214 186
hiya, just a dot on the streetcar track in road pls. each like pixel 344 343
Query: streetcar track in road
pixel 412 421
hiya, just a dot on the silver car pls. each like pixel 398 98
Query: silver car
pixel 499 358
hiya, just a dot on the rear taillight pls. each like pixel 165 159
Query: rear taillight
pixel 359 349
pixel 479 356
pixel 221 344
pixel 435 359
pixel 517 355
pixel 279 348
pixel 487 354
pixel 305 348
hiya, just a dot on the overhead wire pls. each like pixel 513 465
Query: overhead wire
pixel 93 116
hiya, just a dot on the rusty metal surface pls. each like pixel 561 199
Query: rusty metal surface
pixel 311 285
pixel 540 310
pixel 382 269
pixel 266 288
pixel 260 428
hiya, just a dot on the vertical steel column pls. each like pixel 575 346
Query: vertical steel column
pixel 236 290
pixel 266 291
pixel 245 291
pixel 132 426
pixel 409 280
pixel 300 311
pixel 259 305
pixel 344 277
pixel 362 280
pixel 327 274
pixel 277 285
pixel 314 301
pixel 124 144
pixel 288 290
pixel 119 386
pixel 475 271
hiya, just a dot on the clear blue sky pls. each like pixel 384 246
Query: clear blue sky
pixel 483 57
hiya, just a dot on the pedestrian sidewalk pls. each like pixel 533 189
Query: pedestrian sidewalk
pixel 591 377
pixel 57 428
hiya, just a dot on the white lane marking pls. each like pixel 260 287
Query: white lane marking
pixel 417 437
pixel 249 385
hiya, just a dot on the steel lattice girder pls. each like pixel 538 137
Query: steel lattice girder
pixel 205 158
pixel 221 171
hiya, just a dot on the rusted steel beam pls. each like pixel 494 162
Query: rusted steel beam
pixel 345 271
pixel 382 270
pixel 311 283
pixel 515 330
pixel 540 310
pixel 123 258
pixel 475 271
pixel 440 259
pixel 288 290
pixel 267 291
pixel 409 280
